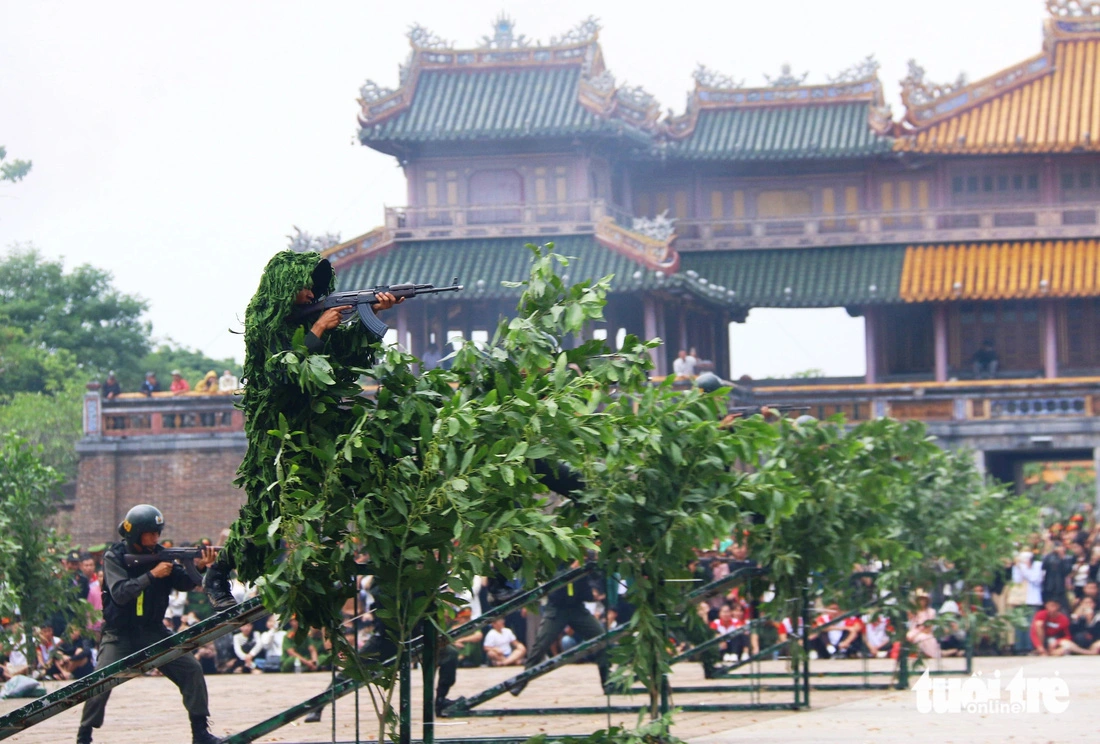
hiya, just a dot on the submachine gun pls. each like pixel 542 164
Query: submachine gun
pixel 360 301
pixel 183 556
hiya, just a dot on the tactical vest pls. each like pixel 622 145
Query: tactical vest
pixel 146 612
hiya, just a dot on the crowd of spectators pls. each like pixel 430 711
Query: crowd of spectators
pixel 210 384
pixel 1053 585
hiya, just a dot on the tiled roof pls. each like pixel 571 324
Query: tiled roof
pixel 509 103
pixel 809 131
pixel 1049 103
pixel 481 264
pixel 998 271
pixel 801 277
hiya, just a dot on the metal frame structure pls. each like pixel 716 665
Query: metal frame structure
pixel 134 665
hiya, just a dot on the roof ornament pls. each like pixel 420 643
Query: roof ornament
pixel 584 32
pixel 604 82
pixel 504 36
pixel 635 96
pixel 303 242
pixel 866 69
pixel 1074 8
pixel 785 78
pixel 370 91
pixel 422 38
pixel 916 91
pixel 708 78
pixel 661 227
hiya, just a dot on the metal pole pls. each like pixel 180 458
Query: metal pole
pixel 405 711
pixel 356 628
pixel 427 667
pixel 806 646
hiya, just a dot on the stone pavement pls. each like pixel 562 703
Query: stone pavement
pixel 149 709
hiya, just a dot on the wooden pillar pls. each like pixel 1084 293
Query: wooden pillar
pixel 870 343
pixel 1049 335
pixel 722 346
pixel 683 327
pixel 649 318
pixel 939 340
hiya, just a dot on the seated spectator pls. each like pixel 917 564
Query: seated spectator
pixel 299 652
pixel 77 655
pixel 111 388
pixel 179 385
pixel 208 385
pixel 920 627
pixel 611 618
pixel 150 384
pixel 1050 631
pixel 1084 625
pixel 730 618
pixel 683 366
pixel 16 662
pixel 49 654
pixel 953 641
pixel 876 636
pixel 247 649
pixel 502 647
pixel 848 638
pixel 271 645
pixel 985 361
pixel 227 383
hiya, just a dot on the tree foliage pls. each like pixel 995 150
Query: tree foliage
pixel 192 364
pixel 29 545
pixel 14 170
pixel 78 312
pixel 51 422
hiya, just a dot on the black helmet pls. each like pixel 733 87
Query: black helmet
pixel 139 520
pixel 708 382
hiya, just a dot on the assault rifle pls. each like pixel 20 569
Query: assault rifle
pixel 184 556
pixel 360 300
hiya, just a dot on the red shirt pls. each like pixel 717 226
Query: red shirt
pixel 1054 626
pixel 723 629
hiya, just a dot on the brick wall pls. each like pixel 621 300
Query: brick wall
pixel 188 477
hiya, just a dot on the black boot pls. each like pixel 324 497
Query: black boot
pixel 216 585
pixel 200 731
pixel 314 716
pixel 84 735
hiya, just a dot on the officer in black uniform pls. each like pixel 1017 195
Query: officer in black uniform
pixel 134 602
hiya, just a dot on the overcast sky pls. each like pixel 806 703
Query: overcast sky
pixel 175 144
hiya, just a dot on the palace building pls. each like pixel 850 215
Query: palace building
pixel 971 219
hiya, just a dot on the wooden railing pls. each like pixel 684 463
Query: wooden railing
pixel 981 400
pixel 930 225
pixel 991 222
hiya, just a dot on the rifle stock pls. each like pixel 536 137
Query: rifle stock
pixel 361 300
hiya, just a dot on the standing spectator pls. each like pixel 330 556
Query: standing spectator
pixel 985 361
pixel 683 366
pixel 150 384
pixel 177 605
pixel 1079 572
pixel 91 575
pixel 227 383
pixel 111 388
pixel 179 385
pixel 501 645
pixel 1028 572
pixel 430 358
pixel 1056 570
pixel 209 384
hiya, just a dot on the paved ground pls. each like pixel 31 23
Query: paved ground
pixel 149 709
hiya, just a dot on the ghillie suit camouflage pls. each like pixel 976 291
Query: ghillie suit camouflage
pixel 273 395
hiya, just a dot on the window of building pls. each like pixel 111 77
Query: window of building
pixel 980 183
pixel 1012 326
pixel 1079 335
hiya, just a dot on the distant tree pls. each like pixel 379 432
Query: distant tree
pixel 15 170
pixel 1060 500
pixel 50 421
pixel 79 311
pixel 808 374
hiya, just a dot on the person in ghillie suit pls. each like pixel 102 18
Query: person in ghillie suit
pixel 290 279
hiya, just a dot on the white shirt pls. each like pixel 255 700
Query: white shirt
pixel 501 640
pixel 177 602
pixel 1033 575
pixel 876 630
pixel 271 641
pixel 227 383
pixel 683 367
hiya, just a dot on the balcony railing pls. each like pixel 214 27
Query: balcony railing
pixel 990 222
pixel 929 225
pixel 975 400
pixel 496 220
pixel 138 416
